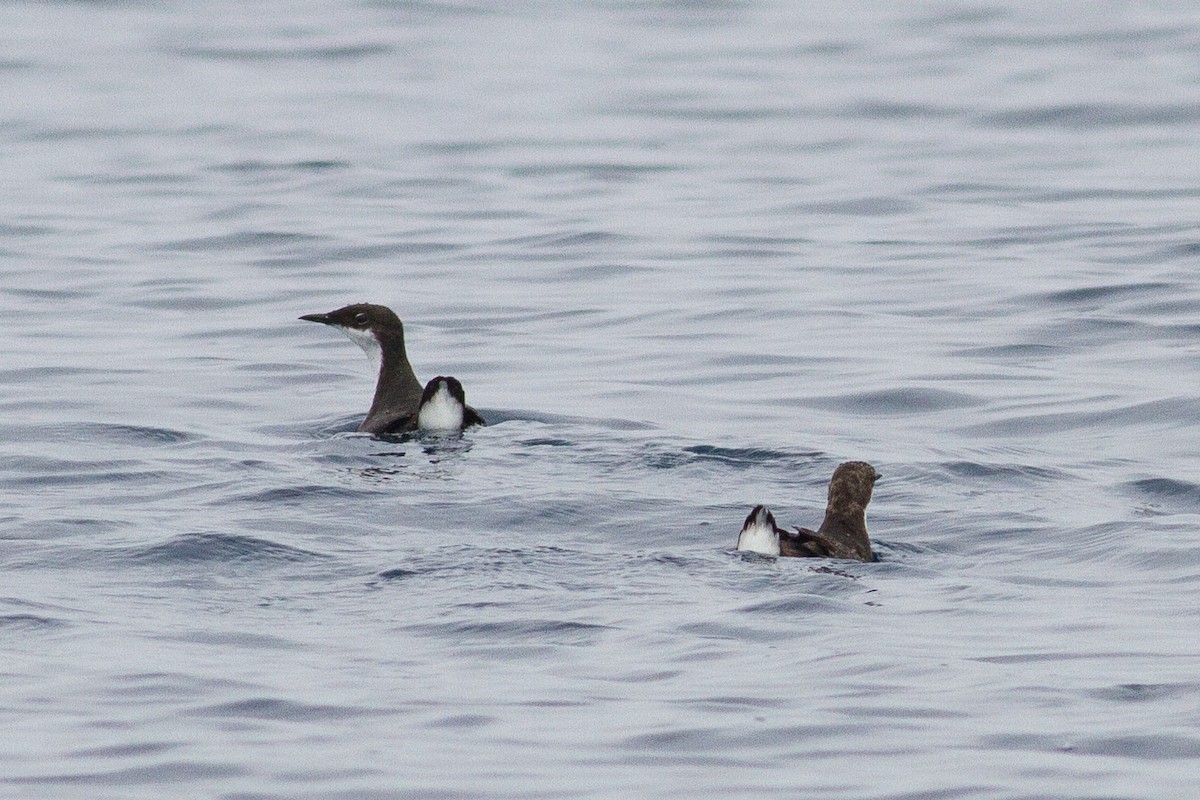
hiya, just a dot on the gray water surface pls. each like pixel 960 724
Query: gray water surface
pixel 686 257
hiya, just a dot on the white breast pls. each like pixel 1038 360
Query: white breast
pixel 759 536
pixel 441 412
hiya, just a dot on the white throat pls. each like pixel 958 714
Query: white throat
pixel 441 412
pixel 759 536
pixel 370 345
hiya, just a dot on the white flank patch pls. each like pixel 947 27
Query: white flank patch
pixel 367 341
pixel 441 413
pixel 759 536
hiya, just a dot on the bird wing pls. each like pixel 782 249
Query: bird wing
pixel 805 543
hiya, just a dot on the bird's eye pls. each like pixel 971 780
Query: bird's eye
pixel 360 318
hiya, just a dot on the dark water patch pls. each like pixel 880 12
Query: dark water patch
pixel 49 295
pixel 361 252
pixel 1189 251
pixel 274 709
pixel 1053 656
pixel 920 713
pixel 169 686
pixel 901 401
pixel 1053 234
pixel 1151 747
pixel 1145 692
pixel 219 548
pixel 1171 413
pixel 84 134
pixel 879 110
pixel 142 435
pixel 598 171
pixel 303 495
pixel 165 774
pixel 859 207
pixel 584 239
pixel 1095 295
pixel 735 457
pixel 257 167
pixel 38 374
pixel 234 639
pixel 1104 193
pixel 461 721
pixel 425 11
pixel 132 750
pixel 1014 351
pixel 598 272
pixel 8 229
pixel 1078 36
pixel 737 633
pixel 29 623
pixel 798 606
pixel 1093 116
pixel 734 704
pixel 542 631
pixel 787 243
pixel 761 739
pixel 95 475
pixel 399 574
pixel 347 52
pixel 1005 473
pixel 243 240
pixel 1181 495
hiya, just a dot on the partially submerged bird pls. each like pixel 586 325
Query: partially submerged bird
pixel 444 407
pixel 843 533
pixel 398 394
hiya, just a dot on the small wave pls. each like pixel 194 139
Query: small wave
pixel 568 240
pixel 901 401
pixel 1095 115
pixel 740 455
pixel 255 167
pixel 859 207
pixel 303 494
pixel 270 708
pixel 1093 294
pixel 29 622
pixel 243 240
pixel 1005 472
pixel 496 416
pixel 1162 747
pixel 172 773
pixel 1159 413
pixel 549 631
pixel 224 548
pixel 1145 692
pixel 1023 351
pixel 799 605
pixel 1169 489
pixel 133 434
pixel 305 53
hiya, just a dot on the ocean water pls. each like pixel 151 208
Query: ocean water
pixel 686 257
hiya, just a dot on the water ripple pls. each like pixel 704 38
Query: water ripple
pixel 900 401
pixel 220 548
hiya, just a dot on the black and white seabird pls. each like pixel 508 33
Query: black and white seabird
pixel 843 533
pixel 398 398
pixel 444 407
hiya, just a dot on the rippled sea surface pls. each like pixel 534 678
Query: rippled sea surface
pixel 686 257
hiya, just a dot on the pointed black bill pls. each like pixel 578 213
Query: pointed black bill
pixel 322 318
